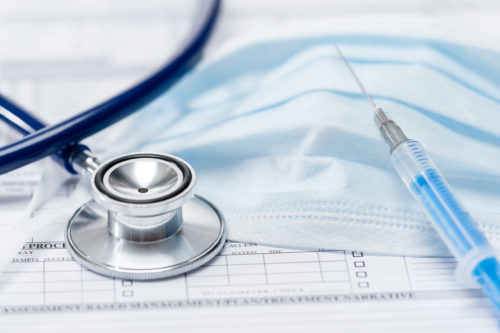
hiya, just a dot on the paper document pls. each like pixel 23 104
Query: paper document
pixel 257 284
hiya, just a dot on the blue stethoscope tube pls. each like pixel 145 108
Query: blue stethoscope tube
pixel 62 139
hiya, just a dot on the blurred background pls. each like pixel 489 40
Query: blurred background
pixel 59 57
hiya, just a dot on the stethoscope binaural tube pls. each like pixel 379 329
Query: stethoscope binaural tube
pixel 62 138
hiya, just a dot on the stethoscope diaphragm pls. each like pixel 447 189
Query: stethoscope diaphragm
pixel 144 222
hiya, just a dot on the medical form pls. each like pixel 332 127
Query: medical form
pixel 260 285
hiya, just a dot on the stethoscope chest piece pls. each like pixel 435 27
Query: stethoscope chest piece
pixel 144 222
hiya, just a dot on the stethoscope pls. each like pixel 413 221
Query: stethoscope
pixel 144 221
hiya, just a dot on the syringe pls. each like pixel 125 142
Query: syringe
pixel 477 261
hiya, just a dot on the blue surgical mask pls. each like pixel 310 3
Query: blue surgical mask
pixel 284 143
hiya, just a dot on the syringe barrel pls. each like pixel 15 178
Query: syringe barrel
pixel 456 226
pixel 478 264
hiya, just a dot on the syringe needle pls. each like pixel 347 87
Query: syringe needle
pixel 355 76
pixel 391 132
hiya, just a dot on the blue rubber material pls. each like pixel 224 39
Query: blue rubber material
pixel 20 119
pixel 65 135
pixel 26 123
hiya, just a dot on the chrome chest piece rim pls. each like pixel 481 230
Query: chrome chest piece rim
pixel 144 222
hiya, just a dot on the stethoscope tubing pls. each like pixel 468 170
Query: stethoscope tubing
pixel 64 136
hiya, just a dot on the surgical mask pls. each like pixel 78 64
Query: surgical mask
pixel 284 143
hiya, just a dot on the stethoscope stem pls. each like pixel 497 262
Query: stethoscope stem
pixel 84 163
